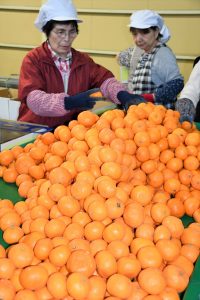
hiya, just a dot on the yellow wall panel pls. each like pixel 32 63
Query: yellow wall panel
pixel 10 61
pixel 139 4
pixel 36 3
pixel 22 30
pixel 185 40
pixel 173 4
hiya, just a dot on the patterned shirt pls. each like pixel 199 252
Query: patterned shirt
pixel 63 65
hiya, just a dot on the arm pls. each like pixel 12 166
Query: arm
pixel 46 105
pixel 34 86
pixel 166 77
pixel 192 87
pixel 190 96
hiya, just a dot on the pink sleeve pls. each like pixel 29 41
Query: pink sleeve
pixel 111 87
pixel 43 104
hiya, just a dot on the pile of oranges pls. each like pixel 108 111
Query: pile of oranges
pixel 103 198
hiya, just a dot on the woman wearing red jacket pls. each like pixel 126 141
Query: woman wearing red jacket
pixel 55 79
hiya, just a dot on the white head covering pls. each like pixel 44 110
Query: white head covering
pixel 58 10
pixel 143 19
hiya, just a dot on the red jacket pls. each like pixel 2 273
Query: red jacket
pixel 39 72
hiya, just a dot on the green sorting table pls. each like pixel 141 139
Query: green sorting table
pixel 9 191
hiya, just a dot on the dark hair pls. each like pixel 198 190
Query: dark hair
pixel 47 28
pixel 145 30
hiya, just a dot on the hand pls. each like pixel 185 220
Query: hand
pixel 186 109
pixel 83 101
pixel 186 118
pixel 126 99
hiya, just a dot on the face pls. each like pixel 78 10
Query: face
pixel 61 38
pixel 145 39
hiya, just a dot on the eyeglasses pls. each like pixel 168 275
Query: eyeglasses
pixel 63 33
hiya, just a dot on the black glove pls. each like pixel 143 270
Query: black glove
pixel 126 99
pixel 186 109
pixel 82 101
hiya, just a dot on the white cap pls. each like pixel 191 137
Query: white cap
pixel 143 19
pixel 58 10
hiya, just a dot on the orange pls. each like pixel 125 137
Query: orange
pixel 113 231
pixel 33 277
pixel 191 236
pixel 23 163
pixel 7 291
pixel 42 248
pixel 13 234
pixel 168 249
pixel 106 135
pixel 142 194
pixel 60 175
pixel 52 161
pixel 145 231
pixel 172 185
pixel 10 218
pixel 59 255
pixel 7 268
pixel 56 285
pixel 62 133
pixel 192 139
pixel 105 263
pixel 97 210
pixel 73 231
pixel 169 294
pixel 114 207
pixel 68 205
pixel 59 148
pixel 97 245
pixel 81 261
pixel 77 244
pixel 6 157
pixel 97 288
pixel 78 286
pixel 54 227
pixel 80 189
pixel 175 226
pixel 119 285
pixel 10 175
pixel 159 211
pixel 176 207
pixel 149 256
pixel 128 266
pixel 176 277
pixel 118 249
pixel 134 214
pixel 191 204
pixel 106 187
pixel 81 218
pixel 94 230
pixel 152 280
pixel 190 251
pixel 191 163
pixel 137 243
pixel 161 232
pixel 87 118
pixel 48 138
pixel 184 263
pixel 142 154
